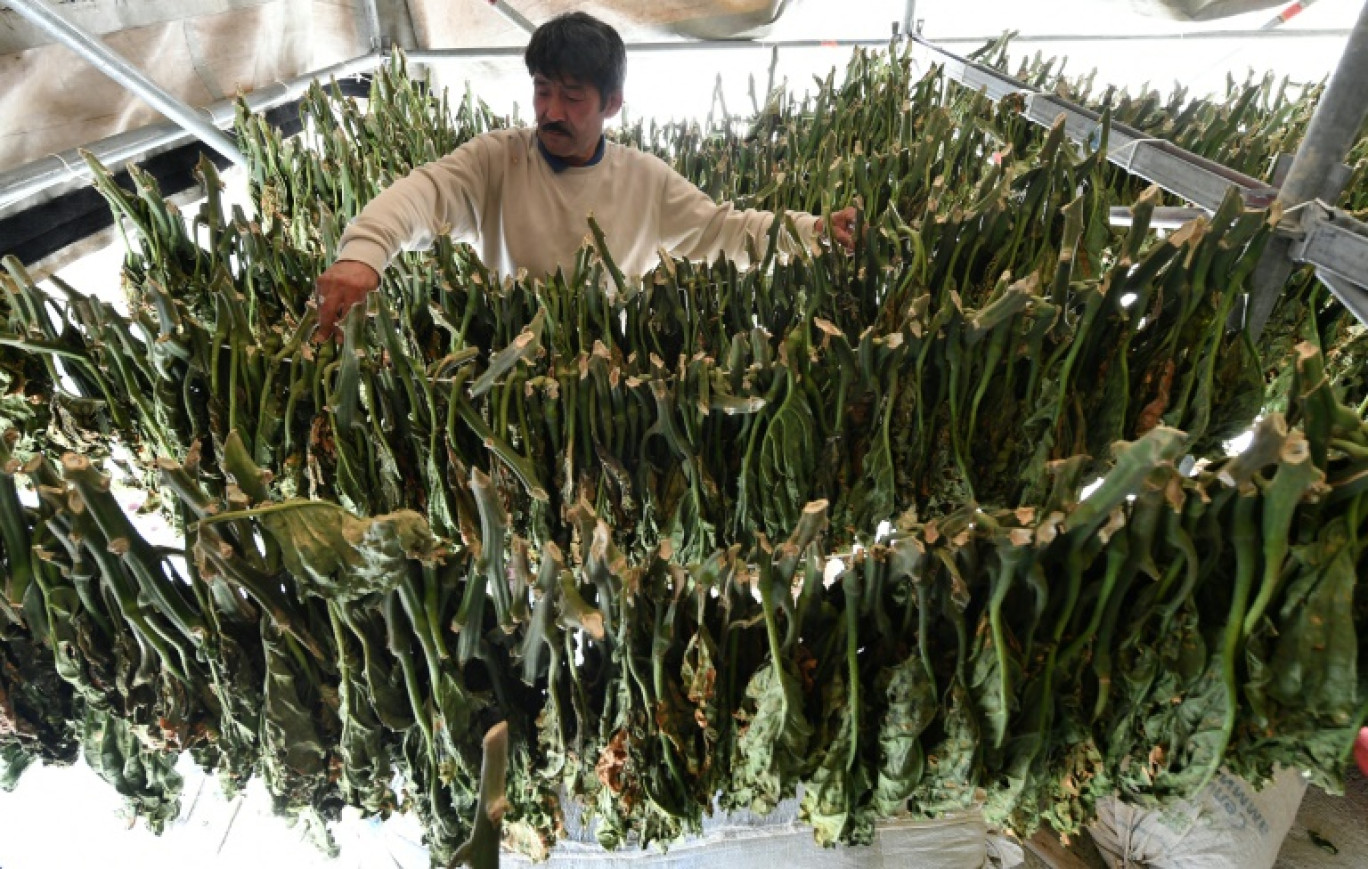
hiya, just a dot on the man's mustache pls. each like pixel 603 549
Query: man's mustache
pixel 554 128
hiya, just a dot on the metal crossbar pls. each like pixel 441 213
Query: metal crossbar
pixel 1326 238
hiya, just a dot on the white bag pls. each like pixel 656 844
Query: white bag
pixel 1228 825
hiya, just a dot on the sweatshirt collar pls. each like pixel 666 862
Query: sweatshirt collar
pixel 558 165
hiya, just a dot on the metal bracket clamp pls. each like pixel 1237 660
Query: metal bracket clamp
pixel 1352 296
pixel 1336 180
pixel 1332 241
pixel 1334 244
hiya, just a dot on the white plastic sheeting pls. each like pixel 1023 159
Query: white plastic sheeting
pixel 1202 10
pixel 218 833
pixel 204 50
pixel 52 100
pixel 955 841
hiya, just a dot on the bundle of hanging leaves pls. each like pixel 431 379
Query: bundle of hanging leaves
pixel 636 518
pixel 1247 128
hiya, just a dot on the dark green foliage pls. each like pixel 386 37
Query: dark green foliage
pixel 599 509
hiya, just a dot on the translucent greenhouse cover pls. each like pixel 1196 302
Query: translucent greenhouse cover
pixel 202 51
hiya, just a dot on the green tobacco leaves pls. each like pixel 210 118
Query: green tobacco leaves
pixel 719 532
pixel 773 749
pixel 144 777
pixel 338 556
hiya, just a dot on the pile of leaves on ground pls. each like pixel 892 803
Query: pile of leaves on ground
pixel 636 519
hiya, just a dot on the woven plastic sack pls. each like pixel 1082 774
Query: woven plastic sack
pixel 1229 825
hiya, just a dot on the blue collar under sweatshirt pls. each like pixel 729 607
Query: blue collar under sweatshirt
pixel 558 165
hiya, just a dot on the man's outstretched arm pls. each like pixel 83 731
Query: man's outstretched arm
pixel 345 283
pixel 842 227
pixel 442 197
pixel 693 226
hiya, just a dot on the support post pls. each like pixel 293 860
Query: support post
pixel 909 17
pixel 1329 136
pixel 374 38
pixel 126 74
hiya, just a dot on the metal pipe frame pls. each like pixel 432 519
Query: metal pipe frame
pixel 33 178
pixel 1164 217
pixel 443 55
pixel 68 167
pixel 116 67
pixel 1339 116
pixel 374 37
pixel 1196 179
pixel 1328 239
pixel 439 55
pixel 1352 296
pixel 512 15
pixel 1336 244
pixel 1185 36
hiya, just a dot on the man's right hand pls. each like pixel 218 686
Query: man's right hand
pixel 344 284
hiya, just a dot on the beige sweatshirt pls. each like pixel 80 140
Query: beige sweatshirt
pixel 498 192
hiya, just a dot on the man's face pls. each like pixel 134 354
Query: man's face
pixel 570 116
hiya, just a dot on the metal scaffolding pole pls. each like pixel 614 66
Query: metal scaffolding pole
pixel 30 179
pixel 1184 36
pixel 909 21
pixel 1195 178
pixel 126 74
pixel 374 38
pixel 512 15
pixel 1330 240
pixel 452 54
pixel 1329 136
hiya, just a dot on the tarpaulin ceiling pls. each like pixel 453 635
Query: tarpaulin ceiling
pixel 204 50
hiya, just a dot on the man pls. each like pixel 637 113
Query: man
pixel 1361 751
pixel 525 196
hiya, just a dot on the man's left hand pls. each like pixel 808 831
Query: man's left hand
pixel 842 227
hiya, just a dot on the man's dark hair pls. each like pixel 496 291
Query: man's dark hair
pixel 579 46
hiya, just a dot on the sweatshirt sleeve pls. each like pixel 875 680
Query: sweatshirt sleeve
pixel 444 197
pixel 695 227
